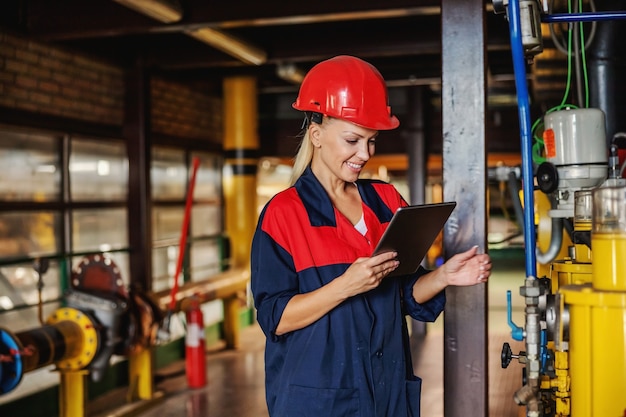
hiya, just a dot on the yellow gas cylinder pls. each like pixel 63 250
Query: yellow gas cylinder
pixel 596 351
pixel 597 314
pixel 608 238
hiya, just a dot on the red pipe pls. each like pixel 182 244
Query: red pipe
pixel 183 232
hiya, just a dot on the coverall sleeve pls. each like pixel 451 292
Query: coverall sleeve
pixel 273 281
pixel 428 311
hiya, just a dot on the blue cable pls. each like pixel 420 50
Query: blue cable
pixel 583 17
pixel 519 67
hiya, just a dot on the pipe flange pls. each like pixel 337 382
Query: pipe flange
pixel 11 366
pixel 81 337
pixel 98 273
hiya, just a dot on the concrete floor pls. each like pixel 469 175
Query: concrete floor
pixel 236 378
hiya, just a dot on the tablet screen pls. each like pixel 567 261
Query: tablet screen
pixel 411 232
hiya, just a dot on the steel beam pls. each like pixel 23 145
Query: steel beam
pixel 137 130
pixel 416 149
pixel 464 181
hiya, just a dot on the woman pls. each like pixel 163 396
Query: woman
pixel 335 327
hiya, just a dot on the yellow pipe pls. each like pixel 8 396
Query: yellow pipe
pixel 219 287
pixel 231 326
pixel 68 339
pixel 140 371
pixel 561 383
pixel 72 393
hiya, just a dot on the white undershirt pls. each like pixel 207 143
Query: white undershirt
pixel 361 226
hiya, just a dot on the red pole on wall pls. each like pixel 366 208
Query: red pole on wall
pixel 164 331
pixel 184 230
pixel 195 346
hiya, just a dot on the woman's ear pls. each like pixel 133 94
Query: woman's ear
pixel 315 132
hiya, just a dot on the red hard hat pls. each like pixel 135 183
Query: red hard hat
pixel 350 89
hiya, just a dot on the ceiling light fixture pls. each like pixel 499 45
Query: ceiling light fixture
pixel 166 11
pixel 231 45
pixel 290 72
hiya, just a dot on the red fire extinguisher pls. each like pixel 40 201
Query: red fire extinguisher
pixel 195 346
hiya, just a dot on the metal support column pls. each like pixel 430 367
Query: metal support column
pixel 415 144
pixel 241 146
pixel 416 149
pixel 137 133
pixel 464 181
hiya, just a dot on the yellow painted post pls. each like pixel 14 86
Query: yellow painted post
pixel 72 393
pixel 231 322
pixel 241 146
pixel 140 369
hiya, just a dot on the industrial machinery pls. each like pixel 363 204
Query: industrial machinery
pixel 574 362
pixel 100 317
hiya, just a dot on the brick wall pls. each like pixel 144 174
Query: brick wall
pixel 185 110
pixel 42 79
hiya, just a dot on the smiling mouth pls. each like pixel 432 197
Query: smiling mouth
pixel 354 166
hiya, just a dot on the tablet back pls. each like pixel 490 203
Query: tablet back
pixel 411 233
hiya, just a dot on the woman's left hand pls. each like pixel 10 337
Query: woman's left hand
pixel 467 268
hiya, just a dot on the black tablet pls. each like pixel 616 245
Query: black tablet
pixel 411 232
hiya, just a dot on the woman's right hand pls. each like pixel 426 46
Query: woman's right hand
pixel 365 274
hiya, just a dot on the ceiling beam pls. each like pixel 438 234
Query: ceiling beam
pixel 165 11
pixel 77 19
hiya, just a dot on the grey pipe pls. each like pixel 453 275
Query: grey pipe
pixel 556 233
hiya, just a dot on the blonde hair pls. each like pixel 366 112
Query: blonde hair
pixel 303 157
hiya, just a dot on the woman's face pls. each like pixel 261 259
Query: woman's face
pixel 342 148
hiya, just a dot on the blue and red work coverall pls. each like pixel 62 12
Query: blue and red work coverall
pixel 352 361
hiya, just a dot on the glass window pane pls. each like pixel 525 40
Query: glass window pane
pixel 167 223
pixel 25 319
pixel 99 230
pixel 18 285
pixel 208 179
pixel 98 171
pixel 206 220
pixel 205 260
pixel 30 167
pixel 29 234
pixel 168 174
pixel 163 268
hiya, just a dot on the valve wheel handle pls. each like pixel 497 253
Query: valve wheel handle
pixel 506 355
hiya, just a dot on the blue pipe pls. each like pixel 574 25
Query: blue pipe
pixel 11 366
pixel 582 17
pixel 523 105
